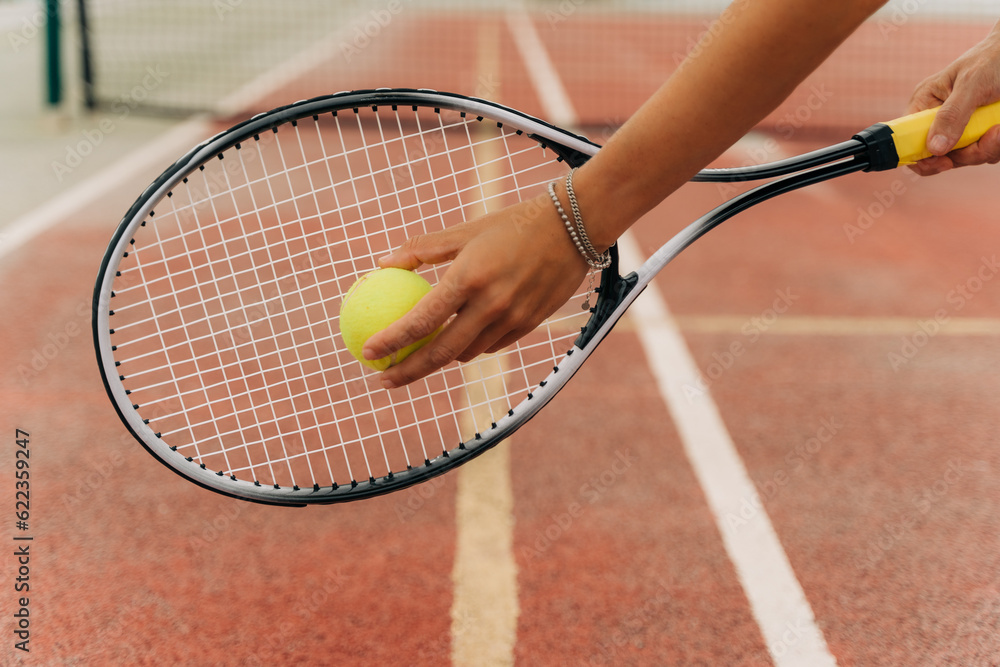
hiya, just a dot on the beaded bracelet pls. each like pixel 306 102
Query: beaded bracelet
pixel 578 233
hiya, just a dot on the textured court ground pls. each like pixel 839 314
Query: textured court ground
pixel 846 335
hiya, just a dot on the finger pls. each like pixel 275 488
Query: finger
pixel 400 258
pixel 932 165
pixel 493 339
pixel 444 349
pixel 432 248
pixel 984 151
pixel 509 339
pixel 426 317
pixel 928 95
pixel 503 320
pixel 951 119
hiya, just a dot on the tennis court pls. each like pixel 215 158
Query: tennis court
pixel 785 453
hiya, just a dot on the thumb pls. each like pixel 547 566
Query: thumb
pixel 950 121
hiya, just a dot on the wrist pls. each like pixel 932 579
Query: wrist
pixel 611 200
pixel 596 235
pixel 546 228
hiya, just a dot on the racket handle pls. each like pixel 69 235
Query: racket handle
pixel 909 133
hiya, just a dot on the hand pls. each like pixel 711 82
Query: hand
pixel 971 81
pixel 511 269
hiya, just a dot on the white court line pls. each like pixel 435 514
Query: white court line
pixel 72 202
pixel 776 598
pixel 271 81
pixel 544 77
pixel 843 325
pixel 485 606
pixel 163 150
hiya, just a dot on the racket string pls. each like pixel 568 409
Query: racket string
pixel 325 315
pixel 212 407
pixel 221 244
pixel 269 406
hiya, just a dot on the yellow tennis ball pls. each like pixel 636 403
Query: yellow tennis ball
pixel 374 302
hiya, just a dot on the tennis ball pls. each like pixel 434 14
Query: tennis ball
pixel 374 302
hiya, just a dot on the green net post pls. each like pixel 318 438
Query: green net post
pixel 86 63
pixel 53 53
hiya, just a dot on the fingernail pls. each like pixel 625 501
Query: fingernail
pixel 938 144
pixel 388 384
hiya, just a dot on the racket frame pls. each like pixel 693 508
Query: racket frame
pixel 571 148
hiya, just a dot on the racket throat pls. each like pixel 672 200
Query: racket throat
pixel 613 291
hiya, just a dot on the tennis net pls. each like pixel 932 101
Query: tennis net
pixel 234 57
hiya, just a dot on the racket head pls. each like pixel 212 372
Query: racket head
pixel 215 310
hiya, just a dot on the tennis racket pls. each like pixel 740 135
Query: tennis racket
pixel 216 306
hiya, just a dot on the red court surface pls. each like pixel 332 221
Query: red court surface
pixel 848 335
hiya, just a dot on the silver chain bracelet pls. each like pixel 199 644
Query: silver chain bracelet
pixel 577 232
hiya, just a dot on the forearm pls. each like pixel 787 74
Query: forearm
pixel 745 66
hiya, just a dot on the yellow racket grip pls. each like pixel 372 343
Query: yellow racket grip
pixel 909 133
